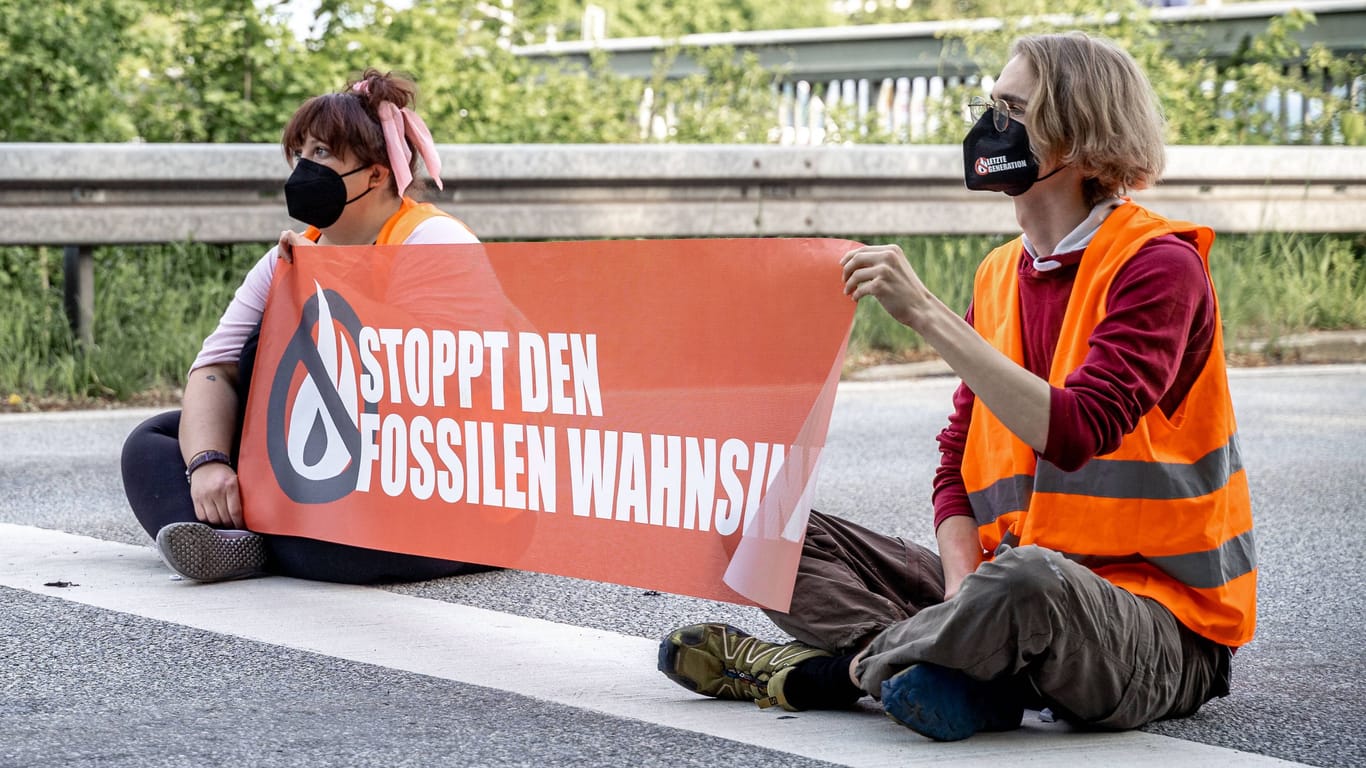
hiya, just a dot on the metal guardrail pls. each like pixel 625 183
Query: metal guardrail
pixel 85 195
pixel 96 194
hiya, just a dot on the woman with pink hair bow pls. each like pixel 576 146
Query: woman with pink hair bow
pixel 353 154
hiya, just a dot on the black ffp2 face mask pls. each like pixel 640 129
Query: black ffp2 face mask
pixel 316 194
pixel 1000 161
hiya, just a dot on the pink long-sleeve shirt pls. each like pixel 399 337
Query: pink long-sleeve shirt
pixel 248 304
pixel 1147 352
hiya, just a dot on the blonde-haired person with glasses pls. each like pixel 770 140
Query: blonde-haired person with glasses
pixel 1095 548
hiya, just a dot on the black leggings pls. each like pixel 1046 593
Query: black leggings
pixel 154 479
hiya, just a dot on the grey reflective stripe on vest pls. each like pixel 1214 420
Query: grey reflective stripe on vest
pixel 1111 479
pixel 1115 479
pixel 1201 570
pixel 1009 494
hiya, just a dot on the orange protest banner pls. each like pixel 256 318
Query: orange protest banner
pixel 649 413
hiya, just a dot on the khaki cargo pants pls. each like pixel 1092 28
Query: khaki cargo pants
pixel 1072 641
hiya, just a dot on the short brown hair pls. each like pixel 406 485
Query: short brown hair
pixel 348 121
pixel 1093 109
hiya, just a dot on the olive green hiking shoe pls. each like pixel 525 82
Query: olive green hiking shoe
pixel 727 663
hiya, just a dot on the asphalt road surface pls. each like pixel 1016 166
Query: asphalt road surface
pixel 106 661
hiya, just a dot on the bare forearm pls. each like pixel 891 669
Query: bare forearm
pixel 1017 397
pixel 960 550
pixel 209 410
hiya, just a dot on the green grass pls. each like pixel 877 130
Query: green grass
pixel 153 307
pixel 155 304
pixel 1269 285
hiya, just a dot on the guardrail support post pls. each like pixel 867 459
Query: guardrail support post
pixel 78 288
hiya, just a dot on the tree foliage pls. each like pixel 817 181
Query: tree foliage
pixel 471 87
pixel 215 71
pixel 233 71
pixel 60 74
pixel 648 18
pixel 922 10
pixel 1207 100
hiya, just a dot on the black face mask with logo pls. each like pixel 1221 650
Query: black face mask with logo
pixel 1000 161
pixel 316 194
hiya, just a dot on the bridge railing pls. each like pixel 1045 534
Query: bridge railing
pixel 915 49
pixel 888 78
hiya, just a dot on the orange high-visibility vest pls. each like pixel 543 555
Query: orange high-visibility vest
pixel 1167 514
pixel 399 226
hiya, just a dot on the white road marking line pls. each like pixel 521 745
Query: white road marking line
pixel 575 666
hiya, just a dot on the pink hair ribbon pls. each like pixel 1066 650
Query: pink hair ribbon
pixel 396 123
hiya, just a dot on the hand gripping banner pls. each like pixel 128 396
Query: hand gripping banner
pixel 648 413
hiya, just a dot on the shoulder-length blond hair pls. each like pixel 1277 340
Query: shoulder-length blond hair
pixel 1093 109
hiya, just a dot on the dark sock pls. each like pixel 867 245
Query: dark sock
pixel 822 683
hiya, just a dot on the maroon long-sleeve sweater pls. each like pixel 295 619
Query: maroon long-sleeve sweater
pixel 1147 351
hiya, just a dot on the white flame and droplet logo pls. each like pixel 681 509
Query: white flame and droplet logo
pixel 313 439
